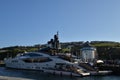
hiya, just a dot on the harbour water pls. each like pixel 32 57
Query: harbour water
pixel 12 74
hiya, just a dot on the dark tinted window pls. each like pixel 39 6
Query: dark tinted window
pixel 32 54
pixel 38 60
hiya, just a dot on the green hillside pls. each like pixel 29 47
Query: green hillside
pixel 105 49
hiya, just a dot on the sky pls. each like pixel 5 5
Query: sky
pixel 30 22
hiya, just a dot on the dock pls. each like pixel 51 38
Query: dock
pixel 113 67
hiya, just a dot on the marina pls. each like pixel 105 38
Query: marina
pixel 49 60
pixel 59 40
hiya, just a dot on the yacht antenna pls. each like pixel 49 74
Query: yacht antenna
pixel 57 33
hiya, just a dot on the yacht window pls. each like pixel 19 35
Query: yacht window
pixel 38 60
pixel 31 54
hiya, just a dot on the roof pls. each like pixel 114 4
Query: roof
pixel 87 44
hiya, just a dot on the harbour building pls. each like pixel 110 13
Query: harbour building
pixel 88 53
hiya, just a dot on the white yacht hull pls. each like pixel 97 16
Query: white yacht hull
pixel 53 65
pixel 61 73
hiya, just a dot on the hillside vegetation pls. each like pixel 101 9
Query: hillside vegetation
pixel 105 49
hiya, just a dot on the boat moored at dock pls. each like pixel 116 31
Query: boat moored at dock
pixel 45 63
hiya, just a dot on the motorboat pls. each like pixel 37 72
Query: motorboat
pixel 45 63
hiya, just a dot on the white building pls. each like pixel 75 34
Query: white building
pixel 88 53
